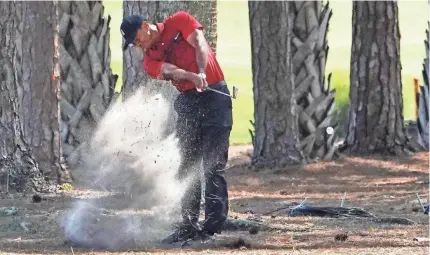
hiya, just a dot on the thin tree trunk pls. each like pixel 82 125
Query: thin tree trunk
pixel 87 82
pixel 276 141
pixel 316 103
pixel 29 109
pixel 376 123
pixel 423 99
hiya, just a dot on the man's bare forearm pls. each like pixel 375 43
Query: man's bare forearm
pixel 198 41
pixel 172 72
pixel 201 51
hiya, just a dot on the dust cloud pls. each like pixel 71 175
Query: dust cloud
pixel 131 162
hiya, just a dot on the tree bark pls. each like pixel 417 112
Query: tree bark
pixel 87 82
pixel 423 99
pixel 276 141
pixel 30 145
pixel 376 123
pixel 316 102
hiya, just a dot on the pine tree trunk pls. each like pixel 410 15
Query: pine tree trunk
pixel 204 11
pixel 29 109
pixel 276 141
pixel 133 74
pixel 376 123
pixel 87 82
pixel 316 104
pixel 423 99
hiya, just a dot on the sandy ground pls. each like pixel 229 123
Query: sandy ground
pixel 384 187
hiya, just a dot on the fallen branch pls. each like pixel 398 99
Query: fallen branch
pixel 339 212
pixel 277 210
pixel 330 211
pixel 287 207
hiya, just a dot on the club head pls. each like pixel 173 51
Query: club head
pixel 235 91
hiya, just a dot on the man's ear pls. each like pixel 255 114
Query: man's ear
pixel 145 25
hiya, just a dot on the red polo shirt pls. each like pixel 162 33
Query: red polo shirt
pixel 173 48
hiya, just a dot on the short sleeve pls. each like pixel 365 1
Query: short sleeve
pixel 153 67
pixel 185 23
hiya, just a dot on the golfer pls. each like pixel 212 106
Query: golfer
pixel 177 50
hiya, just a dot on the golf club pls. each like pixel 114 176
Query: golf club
pixel 225 94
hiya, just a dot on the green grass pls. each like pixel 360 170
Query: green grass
pixel 234 53
pixel 114 9
pixel 340 81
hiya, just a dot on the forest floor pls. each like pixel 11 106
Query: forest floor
pixel 383 187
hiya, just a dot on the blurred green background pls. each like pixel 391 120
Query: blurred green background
pixel 234 53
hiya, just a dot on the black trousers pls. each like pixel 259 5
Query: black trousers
pixel 203 128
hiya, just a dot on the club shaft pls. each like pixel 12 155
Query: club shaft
pixel 219 92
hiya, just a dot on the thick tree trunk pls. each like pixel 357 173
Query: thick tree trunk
pixel 423 99
pixel 29 109
pixel 87 82
pixel 157 11
pixel 376 123
pixel 276 141
pixel 316 104
pixel 204 11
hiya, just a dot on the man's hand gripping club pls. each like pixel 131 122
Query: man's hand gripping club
pixel 172 72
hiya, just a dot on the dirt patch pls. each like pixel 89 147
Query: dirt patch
pixel 384 187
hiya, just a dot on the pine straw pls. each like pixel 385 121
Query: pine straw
pixel 255 193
